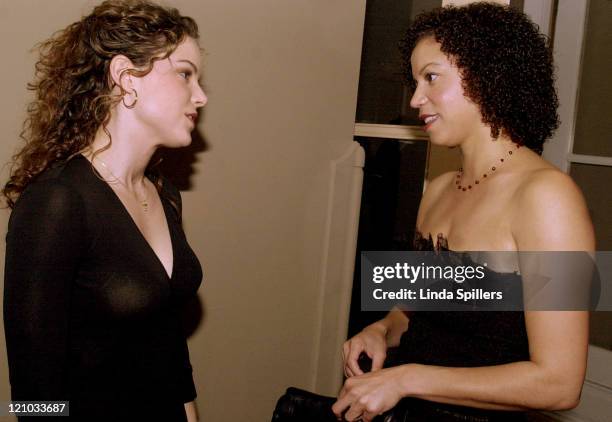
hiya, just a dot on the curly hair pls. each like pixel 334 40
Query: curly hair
pixel 505 64
pixel 72 84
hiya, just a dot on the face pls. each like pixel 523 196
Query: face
pixel 448 116
pixel 169 97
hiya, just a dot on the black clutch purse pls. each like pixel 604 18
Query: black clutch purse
pixel 298 405
pixel 303 406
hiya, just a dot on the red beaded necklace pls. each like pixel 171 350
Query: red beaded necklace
pixel 492 170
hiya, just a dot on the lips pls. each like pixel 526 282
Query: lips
pixel 192 116
pixel 428 119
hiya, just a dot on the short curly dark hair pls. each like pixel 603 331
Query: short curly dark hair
pixel 505 63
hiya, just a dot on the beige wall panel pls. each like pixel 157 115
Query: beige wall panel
pixel 282 82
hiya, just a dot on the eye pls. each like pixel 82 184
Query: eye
pixel 430 77
pixel 185 74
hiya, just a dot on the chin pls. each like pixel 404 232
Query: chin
pixel 442 141
pixel 179 142
pixel 184 144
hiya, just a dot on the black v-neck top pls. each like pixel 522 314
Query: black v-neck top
pixel 90 313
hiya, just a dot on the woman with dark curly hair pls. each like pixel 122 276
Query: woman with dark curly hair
pixel 483 79
pixel 97 265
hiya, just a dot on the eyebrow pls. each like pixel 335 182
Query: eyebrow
pixel 430 63
pixel 192 65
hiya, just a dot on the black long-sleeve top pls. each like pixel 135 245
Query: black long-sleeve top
pixel 90 313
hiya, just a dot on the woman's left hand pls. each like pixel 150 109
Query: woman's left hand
pixel 366 396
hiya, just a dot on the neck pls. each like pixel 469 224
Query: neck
pixel 127 157
pixel 481 153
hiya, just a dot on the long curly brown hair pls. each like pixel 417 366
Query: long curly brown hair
pixel 72 85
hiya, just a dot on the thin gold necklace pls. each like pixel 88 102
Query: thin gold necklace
pixel 144 203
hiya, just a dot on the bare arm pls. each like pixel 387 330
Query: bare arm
pixel 551 379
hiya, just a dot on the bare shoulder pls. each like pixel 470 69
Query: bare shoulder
pixel 545 189
pixel 551 213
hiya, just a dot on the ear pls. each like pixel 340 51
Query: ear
pixel 119 73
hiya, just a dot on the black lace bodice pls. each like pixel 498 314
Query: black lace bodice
pixel 464 338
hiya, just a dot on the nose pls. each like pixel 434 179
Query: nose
pixel 418 98
pixel 199 97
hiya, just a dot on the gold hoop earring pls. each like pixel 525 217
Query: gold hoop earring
pixel 135 100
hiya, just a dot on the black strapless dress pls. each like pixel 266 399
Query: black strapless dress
pixel 461 339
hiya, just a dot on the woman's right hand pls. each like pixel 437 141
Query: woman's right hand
pixel 372 341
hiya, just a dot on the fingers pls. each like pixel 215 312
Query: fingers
pixel 356 412
pixel 345 350
pixel 362 398
pixel 378 360
pixel 352 361
pixel 348 372
pixel 340 405
pixel 359 412
pixel 370 341
pixel 349 407
pixel 368 417
pixel 356 403
pixel 351 350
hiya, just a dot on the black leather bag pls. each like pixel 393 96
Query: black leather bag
pixel 298 405
pixel 303 406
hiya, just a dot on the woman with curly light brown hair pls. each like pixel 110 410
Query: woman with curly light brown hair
pixel 97 265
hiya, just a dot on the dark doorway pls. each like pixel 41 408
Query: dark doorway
pixel 392 186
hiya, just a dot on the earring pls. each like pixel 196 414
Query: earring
pixel 135 99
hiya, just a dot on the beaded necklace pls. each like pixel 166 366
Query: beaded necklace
pixel 485 175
